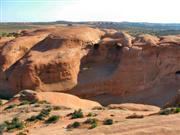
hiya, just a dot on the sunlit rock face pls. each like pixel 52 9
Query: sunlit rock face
pixel 107 66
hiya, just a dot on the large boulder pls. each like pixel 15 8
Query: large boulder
pixel 171 39
pixel 124 38
pixel 54 98
pixel 52 64
pixel 147 40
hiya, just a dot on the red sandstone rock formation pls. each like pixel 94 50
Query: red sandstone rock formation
pixel 107 66
pixel 54 98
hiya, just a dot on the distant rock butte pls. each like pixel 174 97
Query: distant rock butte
pixel 108 66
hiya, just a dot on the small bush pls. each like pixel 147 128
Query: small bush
pixel 53 119
pixel 74 125
pixel 168 111
pixel 108 122
pixel 177 110
pixel 14 124
pixel 93 125
pixel 13 34
pixel 2 128
pixel 92 122
pixel 10 106
pixel 32 118
pixel 4 34
pixel 90 114
pixel 43 114
pixel 77 114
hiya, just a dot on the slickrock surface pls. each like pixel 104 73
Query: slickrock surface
pixel 55 98
pixel 147 125
pixel 134 107
pixel 108 66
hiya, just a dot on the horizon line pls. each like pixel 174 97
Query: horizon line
pixel 89 21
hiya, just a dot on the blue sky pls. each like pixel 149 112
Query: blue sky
pixel 163 11
pixel 32 10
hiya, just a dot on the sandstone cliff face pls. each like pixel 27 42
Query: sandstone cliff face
pixel 104 65
pixel 146 72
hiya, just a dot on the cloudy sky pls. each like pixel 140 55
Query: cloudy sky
pixel 158 11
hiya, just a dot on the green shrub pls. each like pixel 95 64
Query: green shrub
pixel 53 119
pixel 177 110
pixel 14 124
pixel 90 114
pixel 32 118
pixel 108 122
pixel 10 106
pixel 43 114
pixel 77 114
pixel 2 128
pixel 93 125
pixel 92 122
pixel 74 125
pixel 13 34
pixel 4 34
pixel 168 111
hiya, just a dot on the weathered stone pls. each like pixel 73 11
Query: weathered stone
pixel 107 66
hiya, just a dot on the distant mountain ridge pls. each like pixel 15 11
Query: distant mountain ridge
pixel 162 26
pixel 167 26
pixel 133 28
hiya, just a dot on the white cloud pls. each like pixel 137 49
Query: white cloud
pixel 121 10
pixel 91 10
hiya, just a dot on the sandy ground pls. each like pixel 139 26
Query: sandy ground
pixel 149 125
